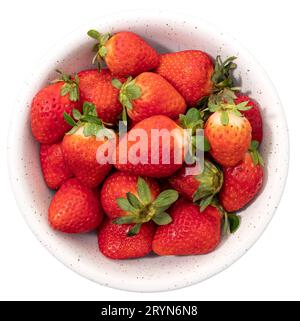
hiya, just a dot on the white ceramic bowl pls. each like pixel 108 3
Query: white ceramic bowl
pixel 166 32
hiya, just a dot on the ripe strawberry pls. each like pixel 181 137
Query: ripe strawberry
pixel 54 168
pixel 150 94
pixel 125 53
pixel 253 115
pixel 115 243
pixel 140 154
pixel 190 72
pixel 74 208
pixel 243 181
pixel 95 87
pixel 132 199
pixel 47 109
pixel 81 144
pixel 203 186
pixel 191 231
pixel 117 185
pixel 228 132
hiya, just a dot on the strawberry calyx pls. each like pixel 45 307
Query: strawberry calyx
pixel 210 183
pixel 99 47
pixel 194 121
pixel 255 155
pixel 129 91
pixel 141 208
pixel 88 120
pixel 222 75
pixel 230 221
pixel 223 81
pixel 70 86
pixel 224 103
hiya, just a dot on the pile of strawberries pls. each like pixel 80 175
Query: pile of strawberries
pixel 139 207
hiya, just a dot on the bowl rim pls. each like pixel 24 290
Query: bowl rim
pixel 162 14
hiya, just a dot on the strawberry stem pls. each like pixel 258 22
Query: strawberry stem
pixel 99 47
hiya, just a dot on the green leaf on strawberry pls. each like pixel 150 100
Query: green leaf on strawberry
pixel 143 191
pixel 205 201
pixel 166 198
pixel 234 222
pixel 134 230
pixel 224 118
pixel 210 183
pixel 193 120
pixel 141 208
pixel 124 220
pixel 129 91
pixel 99 47
pixel 230 223
pixel 125 205
pixel 88 120
pixel 133 200
pixel 255 155
pixel 162 218
pixel 70 86
pixel 69 119
pixel 222 76
pixel 94 34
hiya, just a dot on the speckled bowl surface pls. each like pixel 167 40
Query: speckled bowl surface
pixel 166 32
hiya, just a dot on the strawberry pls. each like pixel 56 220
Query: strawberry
pixel 243 181
pixel 125 53
pixel 54 168
pixel 74 208
pixel 190 72
pixel 149 94
pixel 191 231
pixel 48 106
pixel 81 144
pixel 140 154
pixel 117 185
pixel 115 243
pixel 95 87
pixel 253 115
pixel 132 199
pixel 227 130
pixel 203 186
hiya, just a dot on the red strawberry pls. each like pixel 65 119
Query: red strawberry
pixel 190 72
pixel 74 208
pixel 228 132
pixel 80 147
pixel 115 243
pixel 131 199
pixel 253 115
pixel 150 94
pixel 125 53
pixel 54 168
pixel 191 231
pixel 242 182
pixel 117 185
pixel 96 87
pixel 142 155
pixel 203 186
pixel 47 109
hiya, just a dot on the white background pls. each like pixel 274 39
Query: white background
pixel 270 30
